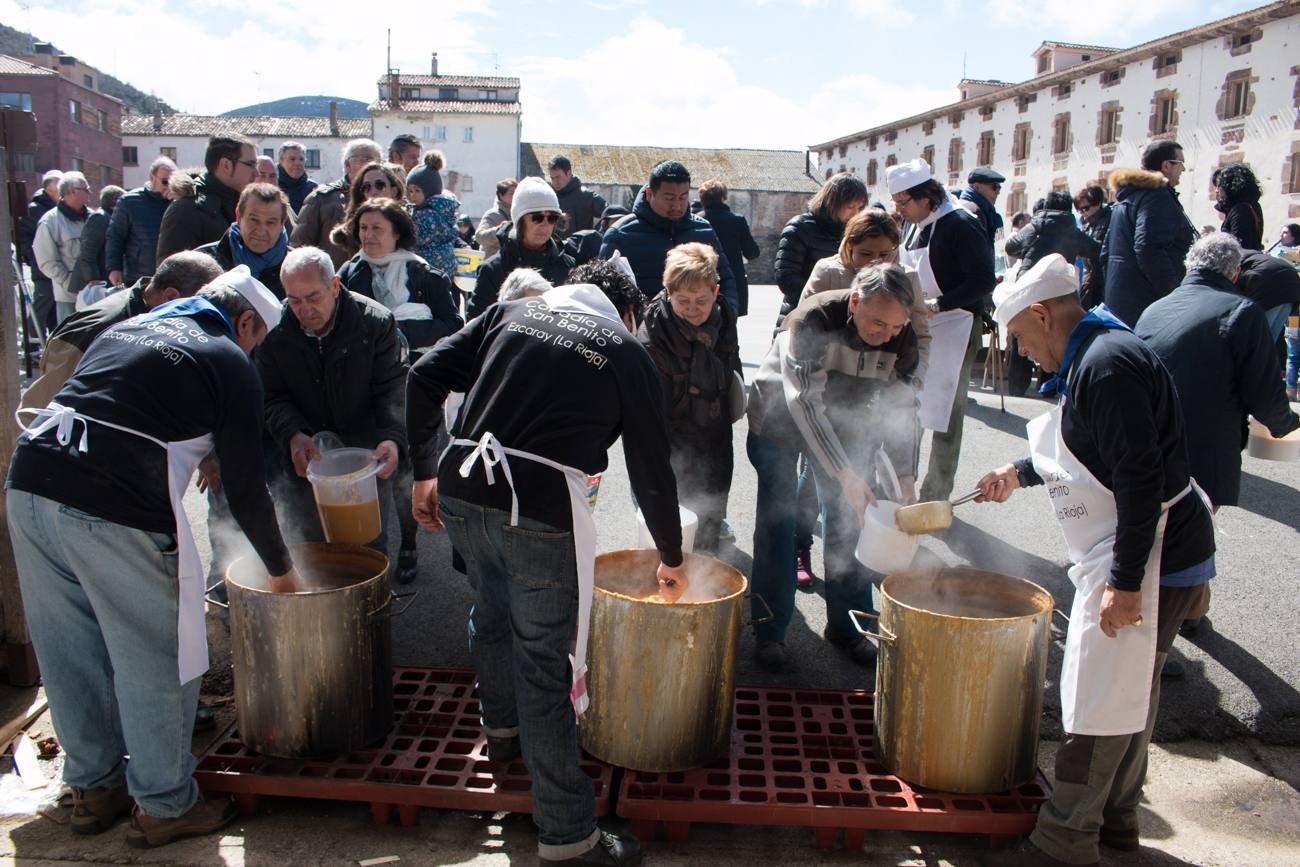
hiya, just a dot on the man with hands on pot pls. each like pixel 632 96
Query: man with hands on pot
pixel 1113 455
pixel 334 364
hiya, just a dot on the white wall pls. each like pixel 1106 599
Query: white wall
pixel 491 156
pixel 190 150
pixel 1268 133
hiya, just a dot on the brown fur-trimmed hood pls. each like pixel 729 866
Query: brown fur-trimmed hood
pixel 1140 178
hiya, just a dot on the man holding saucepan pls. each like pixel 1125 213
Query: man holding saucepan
pixel 1113 455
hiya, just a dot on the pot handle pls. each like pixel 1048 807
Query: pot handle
pixel 207 597
pixel 393 597
pixel 883 635
pixel 1061 614
pixel 768 608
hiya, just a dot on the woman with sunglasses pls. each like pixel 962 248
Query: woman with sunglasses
pixel 528 242
pixel 375 181
pixel 1094 220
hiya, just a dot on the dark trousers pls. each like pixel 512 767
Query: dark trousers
pixel 807 507
pixel 703 461
pixel 1099 778
pixel 772 576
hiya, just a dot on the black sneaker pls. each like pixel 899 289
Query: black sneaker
pixel 408 567
pixel 725 533
pixel 621 851
pixel 1173 669
pixel 770 655
pixel 859 648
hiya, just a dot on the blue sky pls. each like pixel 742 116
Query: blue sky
pixel 740 73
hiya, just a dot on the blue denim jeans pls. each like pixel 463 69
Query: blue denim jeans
pixel 101 601
pixel 772 576
pixel 521 629
pixel 848 582
pixel 807 505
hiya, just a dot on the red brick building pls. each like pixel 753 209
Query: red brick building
pixel 77 127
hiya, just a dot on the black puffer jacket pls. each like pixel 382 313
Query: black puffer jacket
pixel 582 206
pixel 552 262
pixel 27 223
pixel 200 214
pixel 737 243
pixel 1092 289
pixel 351 382
pixel 1148 238
pixel 696 374
pixel 804 240
pixel 1051 232
pixel 427 285
pixel 1245 222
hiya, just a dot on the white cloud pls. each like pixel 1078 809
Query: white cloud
pixel 652 85
pixel 887 13
pixel 207 56
pixel 1107 20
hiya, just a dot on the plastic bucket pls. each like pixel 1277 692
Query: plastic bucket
pixel 347 495
pixel 689 522
pixel 1265 446
pixel 882 547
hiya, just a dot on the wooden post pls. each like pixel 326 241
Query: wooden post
pixel 19 655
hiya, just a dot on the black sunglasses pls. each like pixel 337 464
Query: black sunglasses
pixel 380 184
pixel 544 218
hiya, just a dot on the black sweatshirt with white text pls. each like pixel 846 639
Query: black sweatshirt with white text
pixel 563 386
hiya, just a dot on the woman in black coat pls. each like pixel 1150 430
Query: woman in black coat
pixel 1237 198
pixel 419 296
pixel 528 241
pixel 816 234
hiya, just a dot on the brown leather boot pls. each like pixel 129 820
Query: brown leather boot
pixel 203 818
pixel 94 811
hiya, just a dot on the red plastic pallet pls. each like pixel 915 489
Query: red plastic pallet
pixel 435 756
pixel 805 758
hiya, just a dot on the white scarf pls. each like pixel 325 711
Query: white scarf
pixel 391 291
pixel 941 211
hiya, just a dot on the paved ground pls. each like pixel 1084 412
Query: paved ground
pixel 1222 785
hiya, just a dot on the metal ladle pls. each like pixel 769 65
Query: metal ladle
pixel 927 517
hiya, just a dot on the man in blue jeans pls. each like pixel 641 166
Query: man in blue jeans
pixel 550 383
pixel 110 575
pixel 836 386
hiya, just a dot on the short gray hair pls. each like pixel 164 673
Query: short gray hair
pixel 523 283
pixel 1218 252
pixel 354 147
pixel 229 300
pixel 308 258
pixel 70 180
pixel 162 162
pixel 289 146
pixel 889 280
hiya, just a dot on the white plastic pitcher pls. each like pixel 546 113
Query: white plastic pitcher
pixel 689 523
pixel 882 547
pixel 347 495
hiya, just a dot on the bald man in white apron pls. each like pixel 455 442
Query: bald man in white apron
pixel 1113 456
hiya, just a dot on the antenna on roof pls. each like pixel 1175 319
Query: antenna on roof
pixel 963 64
pixel 389 60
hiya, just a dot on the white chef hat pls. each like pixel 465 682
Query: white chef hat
pixel 904 176
pixel 1051 277
pixel 263 300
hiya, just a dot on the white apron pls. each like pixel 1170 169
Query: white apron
pixel 1105 682
pixel 183 459
pixel 489 452
pixel 949 337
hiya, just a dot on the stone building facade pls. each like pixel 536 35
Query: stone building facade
pixel 1227 91
pixel 765 187
pixel 184 138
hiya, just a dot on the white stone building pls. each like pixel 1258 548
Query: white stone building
pixel 184 138
pixel 473 119
pixel 1227 91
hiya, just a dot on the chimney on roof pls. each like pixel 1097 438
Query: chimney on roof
pixel 157 120
pixel 334 117
pixel 434 65
pixel 394 89
pixel 42 48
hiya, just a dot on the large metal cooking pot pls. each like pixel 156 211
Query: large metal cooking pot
pixel 313 669
pixel 959 681
pixel 661 676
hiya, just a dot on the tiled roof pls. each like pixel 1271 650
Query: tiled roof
pixel 454 81
pixel 996 81
pixel 254 127
pixel 769 171
pixel 14 66
pixel 1074 46
pixel 446 106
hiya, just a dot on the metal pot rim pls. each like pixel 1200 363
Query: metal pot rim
pixel 381 565
pixel 1046 598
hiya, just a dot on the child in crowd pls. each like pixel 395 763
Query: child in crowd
pixel 691 335
pixel 434 213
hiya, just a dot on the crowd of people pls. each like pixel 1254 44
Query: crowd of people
pixel 590 322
